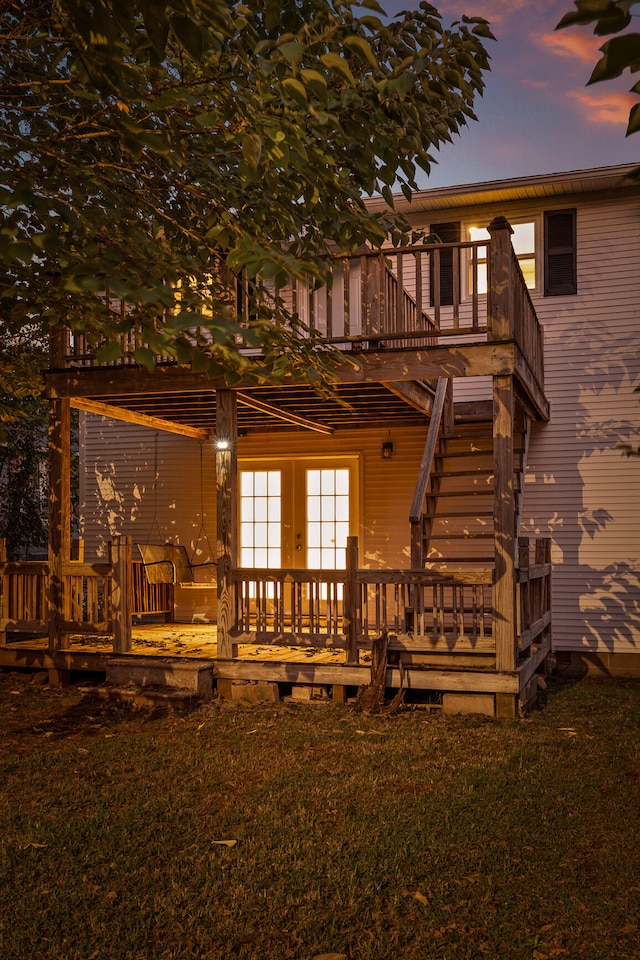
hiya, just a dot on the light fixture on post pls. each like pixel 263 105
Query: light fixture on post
pixel 386 451
pixel 222 444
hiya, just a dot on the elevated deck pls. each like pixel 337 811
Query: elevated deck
pixel 400 325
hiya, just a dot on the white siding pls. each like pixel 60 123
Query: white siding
pixel 119 495
pixel 579 489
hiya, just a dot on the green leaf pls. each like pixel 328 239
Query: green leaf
pixel 189 34
pixel 316 83
pixel 618 54
pixel 336 64
pixel 291 50
pixel 145 357
pixel 360 46
pixel 108 352
pixel 252 149
pixel 296 90
pixel 634 120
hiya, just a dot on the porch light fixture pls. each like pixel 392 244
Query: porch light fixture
pixel 222 444
pixel 386 451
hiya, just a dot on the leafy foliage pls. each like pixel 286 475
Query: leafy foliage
pixel 150 151
pixel 619 53
pixel 23 462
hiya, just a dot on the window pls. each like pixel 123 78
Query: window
pixel 260 518
pixel 560 274
pixel 524 244
pixel 297 513
pixel 327 518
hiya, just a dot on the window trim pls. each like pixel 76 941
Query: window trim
pixel 538 252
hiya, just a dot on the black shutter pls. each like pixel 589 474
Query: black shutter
pixel 446 233
pixel 560 274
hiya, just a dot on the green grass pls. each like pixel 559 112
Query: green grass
pixel 415 837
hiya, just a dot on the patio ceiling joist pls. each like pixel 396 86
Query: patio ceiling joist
pixel 415 393
pixel 141 419
pixel 280 414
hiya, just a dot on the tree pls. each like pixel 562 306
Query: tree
pixel 149 152
pixel 618 54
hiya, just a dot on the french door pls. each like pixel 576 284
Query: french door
pixel 297 513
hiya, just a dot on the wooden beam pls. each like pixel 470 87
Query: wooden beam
pixel 427 363
pixel 530 386
pixel 499 301
pixel 466 681
pixel 227 519
pixel 59 537
pixel 281 414
pixel 140 419
pixel 121 593
pixel 412 392
pixel 504 611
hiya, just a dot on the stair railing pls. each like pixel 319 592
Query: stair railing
pixel 442 395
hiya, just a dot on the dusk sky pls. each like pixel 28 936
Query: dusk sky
pixel 536 116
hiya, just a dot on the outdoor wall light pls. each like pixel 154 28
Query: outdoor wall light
pixel 386 451
pixel 222 444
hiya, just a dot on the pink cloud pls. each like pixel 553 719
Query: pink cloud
pixel 537 84
pixel 579 46
pixel 604 108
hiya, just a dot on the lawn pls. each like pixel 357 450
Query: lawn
pixel 409 838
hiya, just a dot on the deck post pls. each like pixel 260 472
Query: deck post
pixel 543 556
pixel 121 593
pixel 504 610
pixel 4 597
pixel 524 612
pixel 350 602
pixel 499 319
pixel 59 545
pixel 227 520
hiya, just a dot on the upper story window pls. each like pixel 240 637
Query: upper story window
pixel 524 244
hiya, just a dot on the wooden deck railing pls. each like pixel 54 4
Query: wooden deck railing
pixel 404 297
pixel 422 610
pixel 533 591
pixel 96 598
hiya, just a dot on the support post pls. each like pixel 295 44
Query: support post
pixel 525 615
pixel 350 602
pixel 4 597
pixel 59 513
pixel 543 556
pixel 77 550
pixel 121 593
pixel 503 513
pixel 499 319
pixel 227 520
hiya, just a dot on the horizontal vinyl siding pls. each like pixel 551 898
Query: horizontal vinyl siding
pixel 118 495
pixel 579 488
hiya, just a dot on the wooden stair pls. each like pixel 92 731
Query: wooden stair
pixel 457 520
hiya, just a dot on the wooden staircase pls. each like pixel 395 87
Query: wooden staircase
pixel 456 525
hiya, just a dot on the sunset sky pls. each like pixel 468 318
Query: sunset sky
pixel 536 116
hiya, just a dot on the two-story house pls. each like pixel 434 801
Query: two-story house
pixel 469 448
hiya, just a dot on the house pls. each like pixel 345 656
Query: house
pixel 469 451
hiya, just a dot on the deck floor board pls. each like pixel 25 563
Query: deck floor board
pixel 197 640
